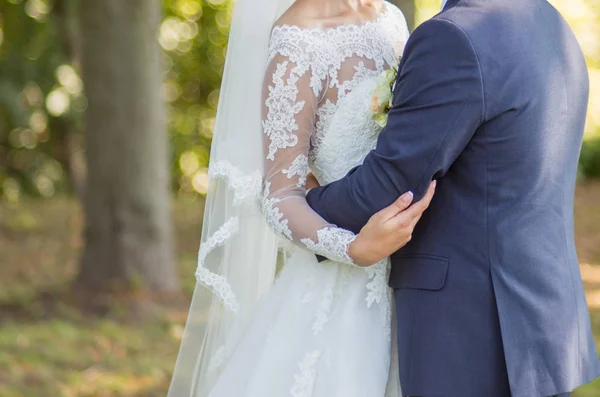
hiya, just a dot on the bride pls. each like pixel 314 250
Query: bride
pixel 282 323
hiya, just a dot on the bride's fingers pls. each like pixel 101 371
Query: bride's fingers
pixel 414 222
pixel 404 222
pixel 417 209
pixel 401 204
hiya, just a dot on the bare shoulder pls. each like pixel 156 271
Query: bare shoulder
pixel 321 14
pixel 304 14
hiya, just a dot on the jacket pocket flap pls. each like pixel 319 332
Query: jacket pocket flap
pixel 418 272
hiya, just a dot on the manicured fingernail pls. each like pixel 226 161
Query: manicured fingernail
pixel 434 183
pixel 407 196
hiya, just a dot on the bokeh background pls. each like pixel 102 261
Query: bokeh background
pixel 106 117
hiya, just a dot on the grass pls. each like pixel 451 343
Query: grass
pixel 49 346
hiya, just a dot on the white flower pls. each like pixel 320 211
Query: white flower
pixel 381 119
pixel 381 102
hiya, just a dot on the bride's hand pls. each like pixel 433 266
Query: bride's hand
pixel 389 230
pixel 311 182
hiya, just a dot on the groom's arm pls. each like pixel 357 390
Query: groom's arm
pixel 438 105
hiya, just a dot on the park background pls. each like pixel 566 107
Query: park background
pixel 106 116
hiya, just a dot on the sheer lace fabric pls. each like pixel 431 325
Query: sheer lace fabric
pixel 310 74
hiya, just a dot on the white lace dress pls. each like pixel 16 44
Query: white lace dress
pixel 325 328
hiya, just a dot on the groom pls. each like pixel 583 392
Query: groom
pixel 490 101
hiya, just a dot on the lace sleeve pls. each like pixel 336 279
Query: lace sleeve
pixel 290 100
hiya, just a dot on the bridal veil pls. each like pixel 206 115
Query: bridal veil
pixel 238 252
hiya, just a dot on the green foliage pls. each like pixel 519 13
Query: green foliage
pixel 51 346
pixel 194 36
pixel 41 98
pixel 31 138
pixel 589 162
pixel 70 355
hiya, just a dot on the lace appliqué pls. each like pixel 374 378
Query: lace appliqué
pixel 377 287
pixel 214 282
pixel 309 294
pixel 245 187
pixel 361 72
pixel 332 243
pixel 273 215
pixel 280 123
pixel 323 312
pixel 379 292
pixel 304 382
pixel 324 50
pixel 298 168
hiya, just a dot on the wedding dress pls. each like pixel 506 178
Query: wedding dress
pixel 324 329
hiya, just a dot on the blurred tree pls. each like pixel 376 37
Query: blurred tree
pixel 127 199
pixel 68 130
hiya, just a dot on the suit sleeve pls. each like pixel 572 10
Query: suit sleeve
pixel 438 105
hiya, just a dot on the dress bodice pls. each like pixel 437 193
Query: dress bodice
pixel 345 62
pixel 317 117
pixel 344 136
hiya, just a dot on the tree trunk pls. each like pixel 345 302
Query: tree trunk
pixel 70 147
pixel 127 199
pixel 408 7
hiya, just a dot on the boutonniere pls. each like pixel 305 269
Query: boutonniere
pixel 382 96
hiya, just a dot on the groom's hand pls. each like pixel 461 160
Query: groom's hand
pixel 389 230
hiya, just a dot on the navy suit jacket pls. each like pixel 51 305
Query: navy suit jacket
pixel 491 101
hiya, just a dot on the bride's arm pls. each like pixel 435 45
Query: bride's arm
pixel 438 106
pixel 290 103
